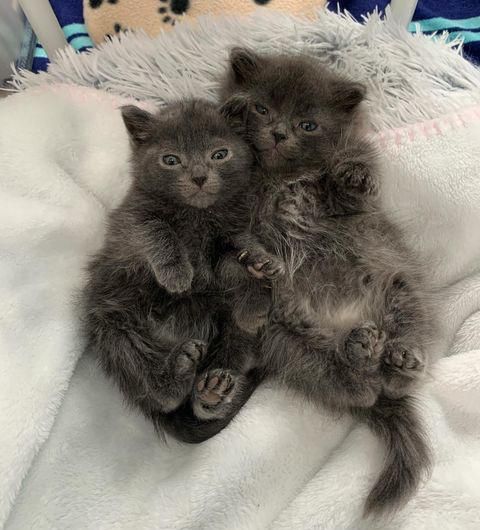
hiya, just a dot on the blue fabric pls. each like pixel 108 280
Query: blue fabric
pixel 461 18
pixel 69 14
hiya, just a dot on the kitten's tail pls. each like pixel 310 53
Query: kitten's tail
pixel 408 457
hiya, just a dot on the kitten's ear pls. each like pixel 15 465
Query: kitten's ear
pixel 348 95
pixel 244 64
pixel 234 110
pixel 139 123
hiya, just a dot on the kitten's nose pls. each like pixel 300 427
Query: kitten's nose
pixel 199 180
pixel 280 135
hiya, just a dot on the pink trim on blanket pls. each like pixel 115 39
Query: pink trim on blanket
pixel 427 129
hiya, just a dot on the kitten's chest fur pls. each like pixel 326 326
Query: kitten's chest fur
pixel 291 216
pixel 204 234
pixel 200 233
pixel 328 258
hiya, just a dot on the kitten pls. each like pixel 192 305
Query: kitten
pixel 158 322
pixel 350 323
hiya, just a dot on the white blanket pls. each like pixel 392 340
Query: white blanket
pixel 71 455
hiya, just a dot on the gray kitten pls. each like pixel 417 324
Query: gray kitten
pixel 350 324
pixel 159 323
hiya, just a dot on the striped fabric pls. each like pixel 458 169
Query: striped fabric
pixel 460 18
pixel 468 29
pixel 69 14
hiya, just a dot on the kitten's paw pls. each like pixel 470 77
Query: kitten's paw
pixel 175 279
pixel 404 358
pixel 363 345
pixel 262 265
pixel 402 367
pixel 214 392
pixel 187 357
pixel 174 380
pixel 357 177
pixel 189 354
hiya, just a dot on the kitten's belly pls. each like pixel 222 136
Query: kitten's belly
pixel 326 273
pixel 338 296
pixel 344 314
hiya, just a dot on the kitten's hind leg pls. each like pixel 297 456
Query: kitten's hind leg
pixel 407 327
pixel 229 375
pixel 338 368
pixel 176 377
pixel 403 366
pixel 217 392
pixel 351 366
pixel 185 425
pixel 226 384
pixel 154 373
pixel 362 345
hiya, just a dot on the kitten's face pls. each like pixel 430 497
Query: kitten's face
pixel 187 154
pixel 290 109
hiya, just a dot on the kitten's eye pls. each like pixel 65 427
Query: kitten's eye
pixel 171 160
pixel 261 109
pixel 308 126
pixel 220 154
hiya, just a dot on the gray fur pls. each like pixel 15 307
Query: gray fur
pixel 161 326
pixel 350 324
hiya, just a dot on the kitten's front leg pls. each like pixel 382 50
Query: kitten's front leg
pixel 353 168
pixel 166 255
pixel 238 278
pixel 258 262
pixel 175 277
pixel 409 331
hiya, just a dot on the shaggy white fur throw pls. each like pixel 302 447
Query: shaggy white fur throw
pixel 410 78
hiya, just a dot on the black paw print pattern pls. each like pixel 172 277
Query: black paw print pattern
pixel 168 9
pixel 117 28
pixel 94 4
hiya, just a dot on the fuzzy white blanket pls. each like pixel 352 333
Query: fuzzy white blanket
pixel 71 455
pixel 281 463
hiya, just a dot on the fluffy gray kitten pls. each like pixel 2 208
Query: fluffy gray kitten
pixel 350 324
pixel 161 326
